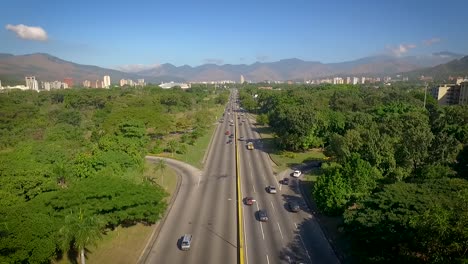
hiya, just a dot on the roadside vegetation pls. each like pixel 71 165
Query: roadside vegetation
pixel 396 173
pixel 72 163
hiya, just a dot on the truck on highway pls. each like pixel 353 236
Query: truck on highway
pixel 250 145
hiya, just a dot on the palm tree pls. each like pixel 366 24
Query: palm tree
pixel 161 167
pixel 79 232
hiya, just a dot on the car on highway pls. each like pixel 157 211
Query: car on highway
pixel 241 138
pixel 271 189
pixel 243 120
pixel 229 141
pixel 297 173
pixel 227 132
pixel 186 242
pixel 262 215
pixel 285 181
pixel 294 206
pixel 231 124
pixel 249 200
pixel 231 136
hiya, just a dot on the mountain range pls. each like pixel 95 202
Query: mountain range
pixel 296 69
pixel 48 68
pixel 455 68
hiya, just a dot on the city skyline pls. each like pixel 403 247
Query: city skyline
pixel 238 33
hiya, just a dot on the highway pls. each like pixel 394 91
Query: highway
pixel 286 237
pixel 205 207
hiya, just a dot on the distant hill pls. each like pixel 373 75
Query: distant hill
pixel 458 67
pixel 296 69
pixel 49 68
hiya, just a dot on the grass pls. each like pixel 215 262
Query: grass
pixel 285 159
pixel 196 152
pixel 166 179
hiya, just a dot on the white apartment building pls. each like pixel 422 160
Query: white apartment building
pixel 107 81
pixel 31 83
pixel 355 80
pixel 338 80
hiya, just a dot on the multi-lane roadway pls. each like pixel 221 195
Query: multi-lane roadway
pixel 287 237
pixel 206 207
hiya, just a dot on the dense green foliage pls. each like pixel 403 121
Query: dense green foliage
pixel 71 162
pixel 397 172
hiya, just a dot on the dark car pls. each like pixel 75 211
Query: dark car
pixel 262 216
pixel 294 206
pixel 231 136
pixel 286 181
pixel 249 200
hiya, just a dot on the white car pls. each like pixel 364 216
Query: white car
pixel 296 173
pixel 271 189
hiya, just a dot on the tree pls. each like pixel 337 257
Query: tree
pixel 262 119
pixel 172 146
pixel 331 191
pixel 161 168
pixel 80 231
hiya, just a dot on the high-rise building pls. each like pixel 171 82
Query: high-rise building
pixel 87 84
pixel 355 80
pixel 68 81
pixel 45 86
pixel 31 83
pixel 348 80
pixel 0 84
pixel 107 82
pixel 123 82
pixel 463 93
pixel 337 80
pixel 242 80
pixel 363 80
pixel 448 94
pixel 141 82
pixel 130 82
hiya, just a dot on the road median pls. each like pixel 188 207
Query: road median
pixel 240 235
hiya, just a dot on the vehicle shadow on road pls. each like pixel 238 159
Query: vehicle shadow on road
pixel 308 246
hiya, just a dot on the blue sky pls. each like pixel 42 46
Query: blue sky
pixel 115 33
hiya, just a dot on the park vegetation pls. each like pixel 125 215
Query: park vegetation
pixel 72 161
pixel 397 170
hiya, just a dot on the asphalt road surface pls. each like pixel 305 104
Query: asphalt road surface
pixel 286 237
pixel 206 208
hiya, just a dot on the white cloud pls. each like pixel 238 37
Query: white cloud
pixel 429 42
pixel 137 67
pixel 27 32
pixel 400 49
